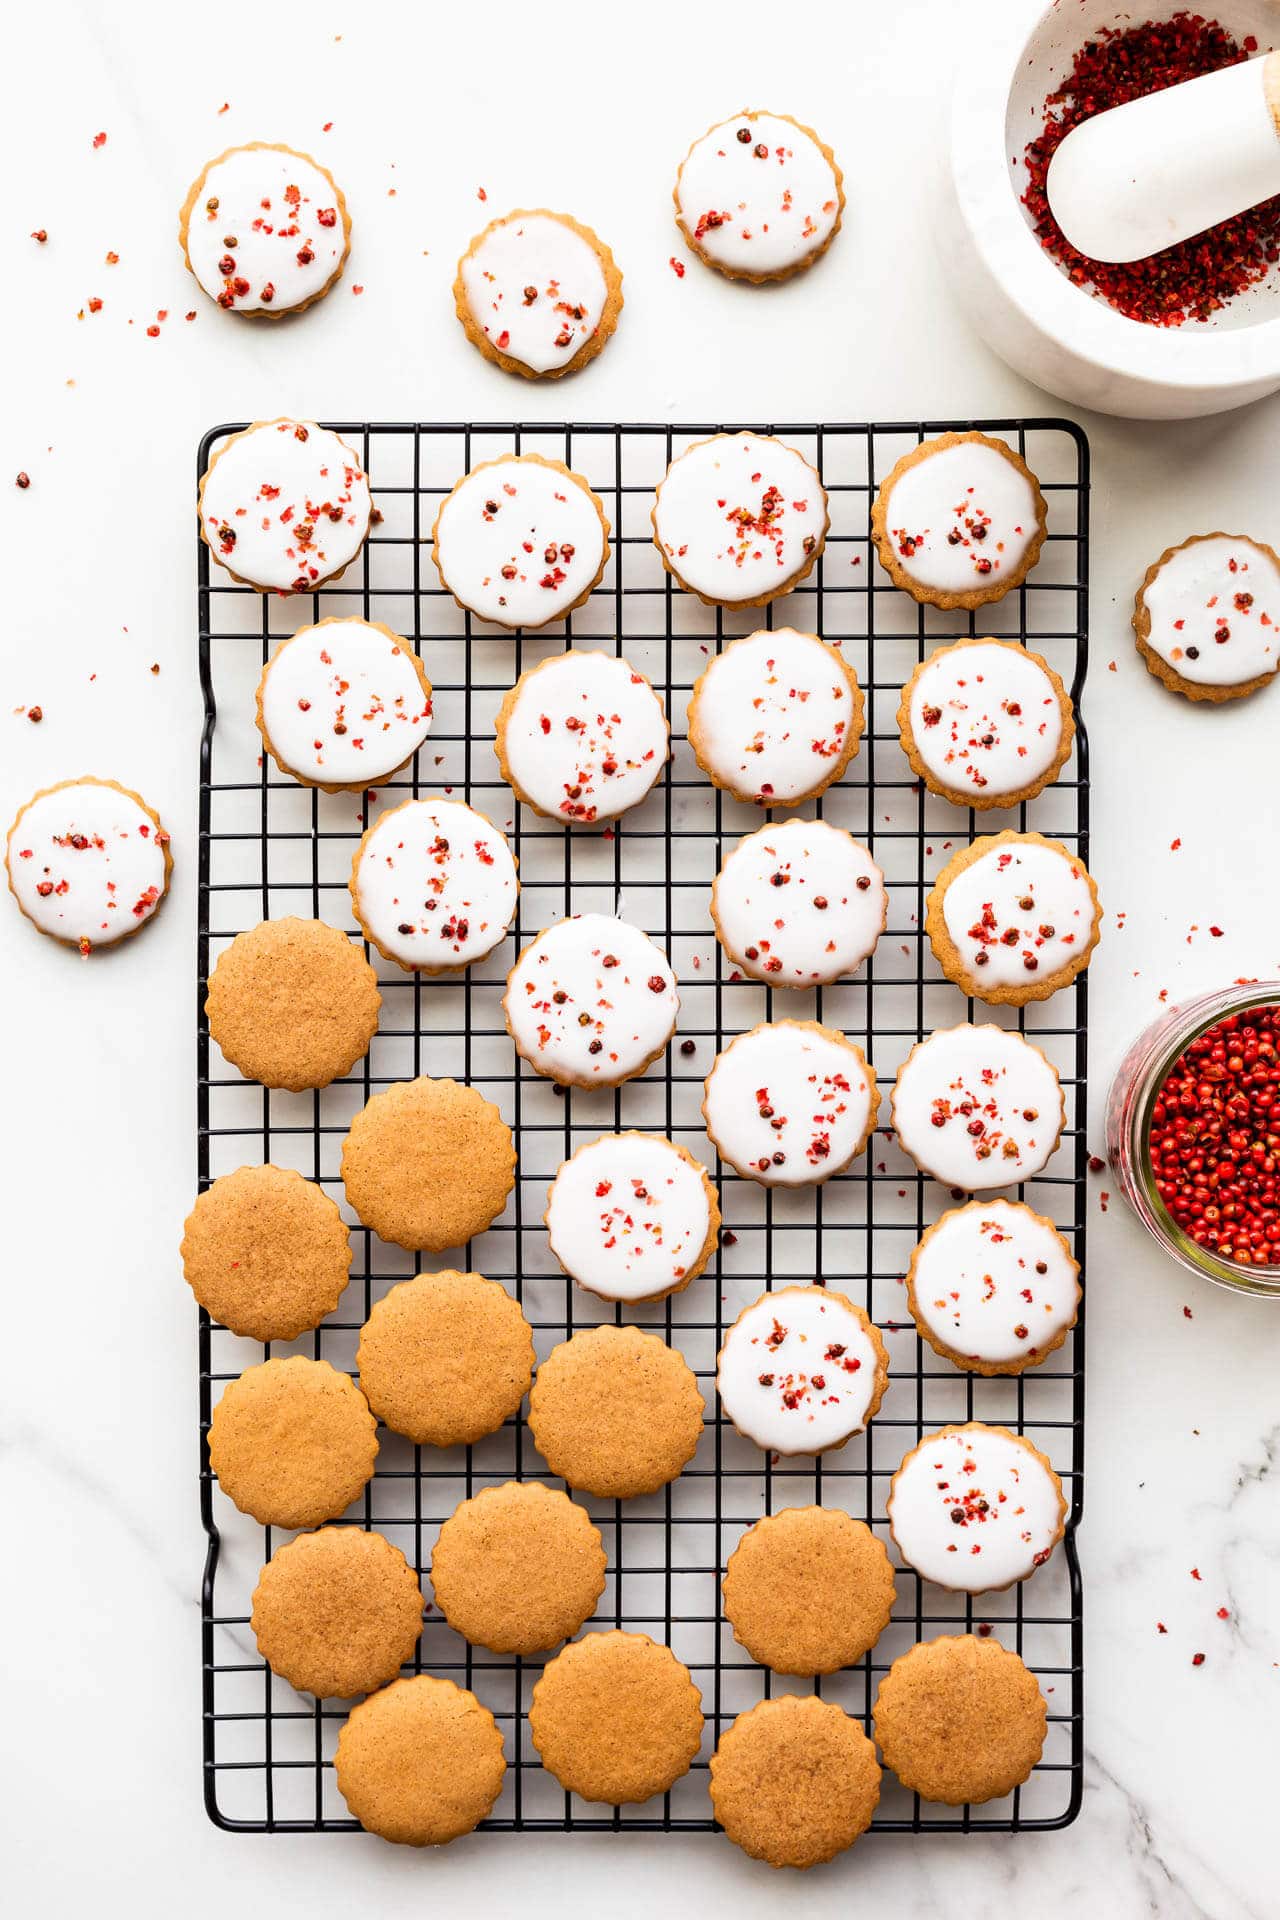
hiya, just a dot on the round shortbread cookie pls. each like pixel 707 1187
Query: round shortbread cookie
pixel 591 1001
pixel 445 1358
pixel 616 1718
pixel 1013 917
pixel 343 704
pixel 759 197
pixel 285 506
pixel 986 723
pixel 978 1107
pixel 802 1370
pixel 292 1442
pixel 975 1508
pixel 1207 616
pixel 794 1781
pixel 538 293
pixel 292 1003
pixel 266 1253
pixel 518 1568
pixel 88 862
pixel 265 230
pixel 428 1164
pixel 521 541
pixel 808 1590
pixel 959 521
pixel 615 1412
pixel 632 1216
pixel 581 737
pixel 433 885
pixel 799 903
pixel 776 718
pixel 960 1720
pixel 338 1612
pixel 993 1286
pixel 739 519
pixel 790 1103
pixel 420 1762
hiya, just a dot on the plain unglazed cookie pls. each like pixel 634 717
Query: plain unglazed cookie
pixel 433 885
pixel 428 1164
pixel 285 506
pixel 1207 616
pixel 343 704
pixel 776 718
pixel 808 1590
pixel 759 197
pixel 986 723
pixel 538 293
pixel 978 1107
pixel 445 1358
pixel 265 230
pixel 790 1103
pixel 338 1612
pixel 959 521
pixel 799 903
pixel 518 1568
pixel 420 1761
pixel 266 1253
pixel 794 1781
pixel 616 1718
pixel 739 519
pixel 292 1003
pixel 632 1216
pixel 1013 917
pixel 976 1508
pixel 802 1370
pixel 615 1412
pixel 591 1001
pixel 993 1286
pixel 292 1442
pixel 960 1720
pixel 581 737
pixel 88 862
pixel 521 541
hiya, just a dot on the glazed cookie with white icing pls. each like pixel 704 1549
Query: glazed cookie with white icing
pixel 976 1508
pixel 959 521
pixel 285 506
pixel 986 723
pixel 88 862
pixel 801 1370
pixel 538 293
pixel 591 1002
pixel 1207 616
pixel 632 1216
pixel 776 717
pixel 433 885
pixel 343 704
pixel 994 1287
pixel 799 904
pixel 759 197
pixel 265 230
pixel 1013 917
pixel 978 1107
pixel 581 737
pixel 739 519
pixel 790 1103
pixel 521 541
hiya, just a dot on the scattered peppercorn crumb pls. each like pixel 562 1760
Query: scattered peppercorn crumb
pixel 191 315
pixel 113 259
pixel 1187 1314
pixel 1174 845
pixel 1216 932
pixel 155 666
pixel 676 266
pixel 1224 1613
pixel 224 106
pixel 356 288
pixel 1197 1659
pixel 99 139
pixel 984 1628
pixel 35 714
pixel 327 127
pixel 23 480
pixel 1161 1627
pixel 1095 1164
pixel 40 235
pixel 481 194
pixel 1195 1573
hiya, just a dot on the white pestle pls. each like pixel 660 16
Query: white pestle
pixel 1138 178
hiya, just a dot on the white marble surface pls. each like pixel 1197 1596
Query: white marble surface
pixel 102 1542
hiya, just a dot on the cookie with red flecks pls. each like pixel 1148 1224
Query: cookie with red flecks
pixel 776 718
pixel 1207 616
pixel 285 506
pixel 521 541
pixel 632 1216
pixel 88 862
pixel 433 885
pixel 976 1508
pixel 591 1002
pixel 1013 917
pixel 790 1103
pixel 538 293
pixel 959 521
pixel 994 1287
pixel 802 1370
pixel 978 1107
pixel 343 704
pixel 265 230
pixel 986 723
pixel 799 904
pixel 759 197
pixel 739 519
pixel 581 737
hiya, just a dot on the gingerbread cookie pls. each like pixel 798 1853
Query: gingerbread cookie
pixel 292 1003
pixel 615 1412
pixel 518 1568
pixel 739 519
pixel 986 723
pixel 1013 917
pixel 88 862
pixel 538 293
pixel 420 1762
pixel 776 718
pixel 428 1164
pixel 801 1370
pixel 794 1781
pixel 632 1216
pixel 976 1508
pixel 266 1253
pixel 292 1442
pixel 1207 616
pixel 433 885
pixel 978 1107
pixel 445 1358
pixel 616 1718
pixel 959 521
pixel 338 1612
pixel 265 230
pixel 582 737
pixel 343 704
pixel 994 1287
pixel 798 904
pixel 591 1002
pixel 521 541
pixel 960 1720
pixel 790 1103
pixel 285 506
pixel 808 1590
pixel 759 197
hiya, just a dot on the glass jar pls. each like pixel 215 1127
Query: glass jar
pixel 1132 1095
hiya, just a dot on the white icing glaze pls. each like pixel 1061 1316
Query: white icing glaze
pixel 87 863
pixel 343 705
pixel 985 719
pixel 266 233
pixel 760 205
pixel 797 1371
pixel 585 738
pixel 787 1106
pixel 1019 913
pixel 995 1282
pixel 519 541
pixel 774 712
pixel 961 519
pixel 591 1000
pixel 435 884
pixel 1007 1499
pixel 628 1216
pixel 535 288
pixel 799 903
pixel 1215 612
pixel 739 516
pixel 978 1107
pixel 285 505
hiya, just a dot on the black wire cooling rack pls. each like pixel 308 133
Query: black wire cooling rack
pixel 269 847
